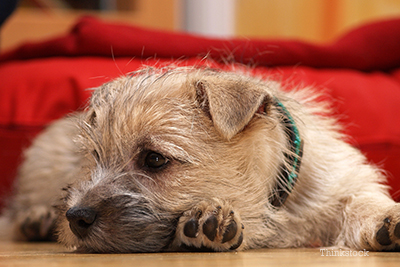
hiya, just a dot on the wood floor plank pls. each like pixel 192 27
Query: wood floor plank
pixel 51 254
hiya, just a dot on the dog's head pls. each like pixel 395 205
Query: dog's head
pixel 156 142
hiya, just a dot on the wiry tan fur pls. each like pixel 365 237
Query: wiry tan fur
pixel 223 160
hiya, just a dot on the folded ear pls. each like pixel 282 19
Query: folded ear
pixel 231 101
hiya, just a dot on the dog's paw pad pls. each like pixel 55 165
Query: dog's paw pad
pixel 397 230
pixel 191 228
pixel 239 242
pixel 210 227
pixel 383 236
pixel 230 232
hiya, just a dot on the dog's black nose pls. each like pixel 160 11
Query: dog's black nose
pixel 80 220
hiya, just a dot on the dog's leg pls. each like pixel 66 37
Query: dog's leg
pixel 51 163
pixel 210 226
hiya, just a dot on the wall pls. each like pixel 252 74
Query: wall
pixel 310 20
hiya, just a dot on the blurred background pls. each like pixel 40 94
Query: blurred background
pixel 318 21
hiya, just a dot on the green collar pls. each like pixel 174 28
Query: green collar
pixel 288 172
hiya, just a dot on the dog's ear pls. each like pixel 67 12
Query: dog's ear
pixel 231 102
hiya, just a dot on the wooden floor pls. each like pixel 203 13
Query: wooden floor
pixel 48 254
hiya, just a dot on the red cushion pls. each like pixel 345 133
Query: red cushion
pixel 360 74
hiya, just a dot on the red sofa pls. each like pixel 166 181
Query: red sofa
pixel 359 74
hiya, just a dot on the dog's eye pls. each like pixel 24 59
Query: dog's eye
pixel 155 160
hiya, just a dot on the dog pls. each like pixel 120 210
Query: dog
pixel 198 159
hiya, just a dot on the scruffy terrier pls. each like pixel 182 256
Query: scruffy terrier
pixel 198 159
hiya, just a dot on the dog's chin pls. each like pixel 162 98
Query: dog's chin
pixel 94 245
pixel 157 237
pixel 110 248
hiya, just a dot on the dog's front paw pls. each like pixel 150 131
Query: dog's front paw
pixel 36 224
pixel 210 226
